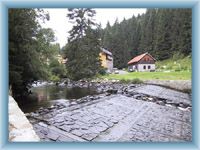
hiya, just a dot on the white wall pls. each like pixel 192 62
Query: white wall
pixel 141 67
pixel 109 65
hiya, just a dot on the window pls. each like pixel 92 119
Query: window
pixel 149 67
pixel 108 57
pixel 144 67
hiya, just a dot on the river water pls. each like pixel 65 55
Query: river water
pixel 45 96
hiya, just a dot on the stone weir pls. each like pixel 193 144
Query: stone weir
pixel 144 113
pixel 20 129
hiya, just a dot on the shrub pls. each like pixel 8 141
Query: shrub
pixel 133 81
pixel 136 81
pixel 124 81
pixel 54 78
pixel 177 56
pixel 177 70
pixel 102 71
pixel 169 67
pixel 184 68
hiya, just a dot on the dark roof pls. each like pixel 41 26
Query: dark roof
pixel 138 58
pixel 106 51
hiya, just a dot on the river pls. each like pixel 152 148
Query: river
pixel 45 96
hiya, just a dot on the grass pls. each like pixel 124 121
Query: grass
pixel 133 81
pixel 177 63
pixel 181 75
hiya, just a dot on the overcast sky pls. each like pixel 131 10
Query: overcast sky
pixel 60 23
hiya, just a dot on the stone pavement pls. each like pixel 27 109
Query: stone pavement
pixel 117 117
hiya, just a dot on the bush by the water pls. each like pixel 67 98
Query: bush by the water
pixel 54 78
pixel 102 71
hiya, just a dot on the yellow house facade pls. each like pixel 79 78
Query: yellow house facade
pixel 61 60
pixel 103 59
pixel 106 59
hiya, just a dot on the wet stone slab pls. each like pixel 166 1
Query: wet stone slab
pixel 164 93
pixel 116 118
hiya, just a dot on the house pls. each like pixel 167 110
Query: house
pixel 61 60
pixel 106 58
pixel 143 62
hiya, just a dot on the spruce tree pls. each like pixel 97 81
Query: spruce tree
pixel 163 41
pixel 83 44
pixel 186 32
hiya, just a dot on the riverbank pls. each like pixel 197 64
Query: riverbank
pixel 20 129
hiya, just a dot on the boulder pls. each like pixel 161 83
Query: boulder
pixel 112 91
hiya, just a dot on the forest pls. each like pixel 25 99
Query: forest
pixel 160 32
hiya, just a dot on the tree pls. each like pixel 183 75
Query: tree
pixel 106 37
pixel 83 44
pixel 186 32
pixel 25 63
pixel 45 38
pixel 57 69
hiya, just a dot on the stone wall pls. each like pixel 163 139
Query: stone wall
pixel 20 129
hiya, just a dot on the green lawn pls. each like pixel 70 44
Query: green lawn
pixel 182 75
pixel 177 63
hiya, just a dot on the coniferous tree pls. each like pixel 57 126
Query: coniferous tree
pixel 163 38
pixel 186 32
pixel 106 37
pixel 83 44
pixel 150 30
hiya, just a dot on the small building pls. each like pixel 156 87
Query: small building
pixel 106 58
pixel 61 60
pixel 143 62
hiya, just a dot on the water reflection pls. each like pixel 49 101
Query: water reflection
pixel 44 95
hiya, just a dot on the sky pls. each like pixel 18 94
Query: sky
pixel 61 25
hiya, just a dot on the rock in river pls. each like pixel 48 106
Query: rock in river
pixel 112 91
